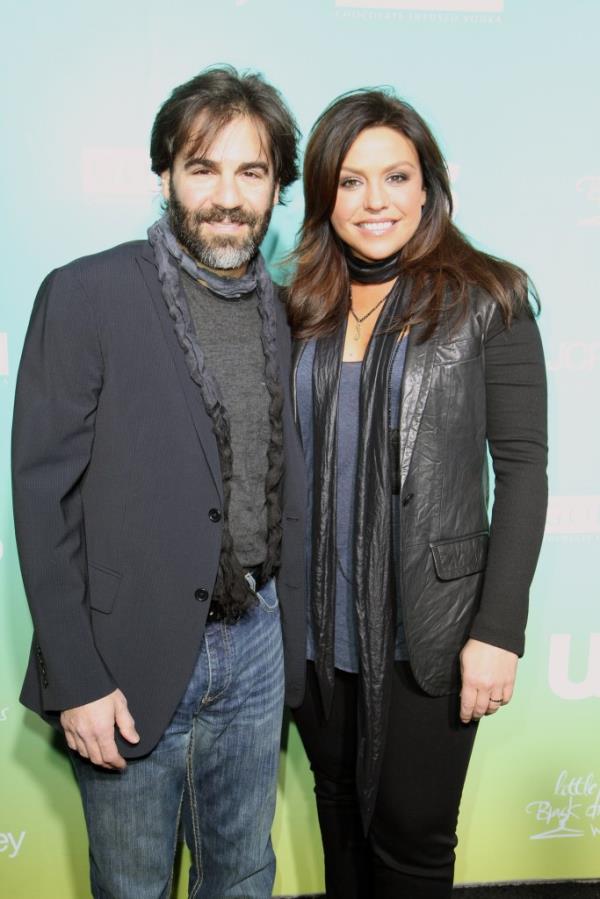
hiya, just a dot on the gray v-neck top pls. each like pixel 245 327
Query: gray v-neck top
pixel 348 431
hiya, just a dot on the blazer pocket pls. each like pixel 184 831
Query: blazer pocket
pixel 461 557
pixel 103 585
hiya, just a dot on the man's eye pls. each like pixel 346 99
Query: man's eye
pixel 253 173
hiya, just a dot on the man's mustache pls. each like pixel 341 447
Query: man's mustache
pixel 218 214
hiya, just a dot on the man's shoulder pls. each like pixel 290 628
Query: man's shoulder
pixel 110 260
pixel 102 279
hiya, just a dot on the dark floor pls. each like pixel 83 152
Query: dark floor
pixel 561 890
pixel 582 889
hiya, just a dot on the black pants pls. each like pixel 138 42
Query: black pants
pixel 408 852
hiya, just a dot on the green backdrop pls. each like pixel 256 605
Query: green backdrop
pixel 510 88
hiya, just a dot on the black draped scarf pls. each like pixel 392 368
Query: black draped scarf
pixel 373 576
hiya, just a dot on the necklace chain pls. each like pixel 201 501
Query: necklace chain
pixel 359 320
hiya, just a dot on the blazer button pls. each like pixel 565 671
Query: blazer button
pixel 214 515
pixel 201 594
pixel 407 499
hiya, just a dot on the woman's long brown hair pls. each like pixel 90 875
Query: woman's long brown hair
pixel 440 261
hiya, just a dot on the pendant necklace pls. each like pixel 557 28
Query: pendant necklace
pixel 358 321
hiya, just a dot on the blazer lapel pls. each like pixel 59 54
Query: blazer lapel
pixel 201 420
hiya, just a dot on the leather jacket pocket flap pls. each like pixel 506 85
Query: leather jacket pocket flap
pixel 459 558
pixel 103 585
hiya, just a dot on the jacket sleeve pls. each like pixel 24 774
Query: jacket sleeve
pixel 517 437
pixel 58 390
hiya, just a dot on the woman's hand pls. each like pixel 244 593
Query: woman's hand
pixel 488 678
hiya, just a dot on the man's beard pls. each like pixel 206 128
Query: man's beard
pixel 221 251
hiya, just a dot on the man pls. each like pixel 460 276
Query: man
pixel 152 427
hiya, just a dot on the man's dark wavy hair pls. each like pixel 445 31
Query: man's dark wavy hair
pixel 196 111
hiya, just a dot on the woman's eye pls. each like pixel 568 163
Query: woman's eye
pixel 349 182
pixel 397 177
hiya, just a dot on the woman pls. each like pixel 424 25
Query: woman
pixel 415 354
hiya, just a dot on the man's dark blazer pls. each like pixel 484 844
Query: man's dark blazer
pixel 116 480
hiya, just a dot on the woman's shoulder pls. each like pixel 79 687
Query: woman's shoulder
pixel 481 315
pixel 484 284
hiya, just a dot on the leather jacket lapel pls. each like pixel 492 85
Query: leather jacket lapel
pixel 418 370
pixel 298 347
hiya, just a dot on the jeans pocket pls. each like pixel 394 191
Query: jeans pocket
pixel 267 596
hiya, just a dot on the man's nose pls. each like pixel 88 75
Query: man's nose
pixel 226 192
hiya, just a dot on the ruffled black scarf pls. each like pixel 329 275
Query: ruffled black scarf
pixel 373 550
pixel 231 589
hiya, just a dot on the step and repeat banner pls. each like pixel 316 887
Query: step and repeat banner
pixel 510 89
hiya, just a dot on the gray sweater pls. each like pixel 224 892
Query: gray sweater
pixel 229 332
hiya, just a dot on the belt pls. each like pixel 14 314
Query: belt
pixel 217 612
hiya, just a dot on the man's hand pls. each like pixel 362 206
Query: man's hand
pixel 90 730
pixel 488 678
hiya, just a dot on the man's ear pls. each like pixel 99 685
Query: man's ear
pixel 276 195
pixel 165 184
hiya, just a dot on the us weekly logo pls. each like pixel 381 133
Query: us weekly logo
pixel 559 664
pixel 573 515
pixel 570 811
pixel 573 519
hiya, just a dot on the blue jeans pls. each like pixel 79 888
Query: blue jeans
pixel 214 770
